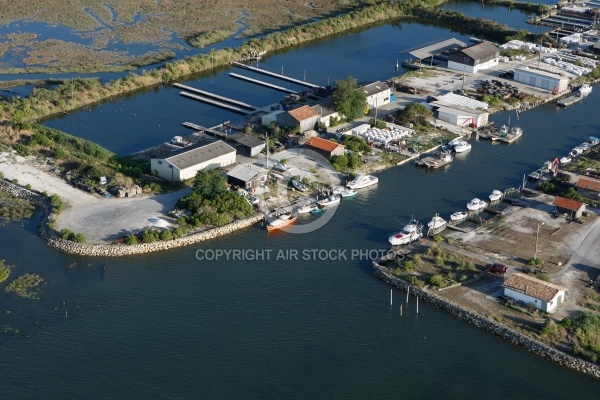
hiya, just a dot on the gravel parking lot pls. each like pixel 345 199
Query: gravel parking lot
pixel 100 219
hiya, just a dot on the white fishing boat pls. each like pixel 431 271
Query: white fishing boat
pixel 454 142
pixel 462 146
pixel 584 89
pixel 362 181
pixel 338 190
pixel 281 222
pixel 329 201
pixel 476 205
pixel 306 209
pixel 282 167
pixel 459 216
pixel 408 234
pixel 348 193
pixel 496 195
pixel 436 225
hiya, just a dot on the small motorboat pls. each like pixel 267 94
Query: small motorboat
pixel 476 205
pixel 459 216
pixel 362 181
pixel 496 195
pixel 329 201
pixel 584 89
pixel 462 146
pixel 307 209
pixel 565 160
pixel 454 142
pixel 576 152
pixel 298 185
pixel 281 222
pixel 348 193
pixel 338 190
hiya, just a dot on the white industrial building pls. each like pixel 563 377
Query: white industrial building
pixel 185 163
pixel 542 79
pixel 377 94
pixel 474 58
pixel 542 295
pixel 458 115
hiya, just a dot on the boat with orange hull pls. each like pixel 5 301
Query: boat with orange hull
pixel 281 222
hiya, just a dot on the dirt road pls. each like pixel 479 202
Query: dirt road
pixel 98 218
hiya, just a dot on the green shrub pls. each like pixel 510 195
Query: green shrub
pixel 66 234
pixel 79 238
pixel 438 238
pixel 15 181
pixel 166 235
pixel 130 240
pixel 566 322
pixel 149 236
pixel 534 262
pixel 439 261
pixel 57 203
pixel 437 280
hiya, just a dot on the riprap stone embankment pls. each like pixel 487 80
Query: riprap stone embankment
pixel 483 322
pixel 116 250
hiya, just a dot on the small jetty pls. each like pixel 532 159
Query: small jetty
pixel 216 103
pixel 436 161
pixel 215 96
pixel 278 76
pixel 262 83
pixel 502 134
pixel 567 101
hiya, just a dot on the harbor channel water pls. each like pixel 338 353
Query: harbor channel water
pixel 305 320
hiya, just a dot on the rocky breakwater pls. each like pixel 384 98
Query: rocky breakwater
pixel 483 322
pixel 117 250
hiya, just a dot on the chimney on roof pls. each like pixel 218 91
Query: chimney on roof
pixel 526 288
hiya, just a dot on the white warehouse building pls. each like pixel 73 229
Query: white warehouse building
pixel 541 78
pixel 183 164
pixel 459 115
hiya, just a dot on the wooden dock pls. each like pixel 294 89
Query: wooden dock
pixel 569 100
pixel 263 83
pixel 215 96
pixel 278 76
pixel 216 103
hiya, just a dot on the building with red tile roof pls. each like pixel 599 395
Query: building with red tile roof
pixel 326 148
pixel 572 207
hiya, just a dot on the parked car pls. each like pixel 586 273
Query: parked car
pixel 496 268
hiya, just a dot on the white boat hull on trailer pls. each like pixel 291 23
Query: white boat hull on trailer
pixel 408 234
pixel 459 216
pixel 496 195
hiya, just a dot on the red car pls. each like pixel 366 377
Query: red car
pixel 496 268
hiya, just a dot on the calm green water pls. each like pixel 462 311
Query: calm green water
pixel 169 326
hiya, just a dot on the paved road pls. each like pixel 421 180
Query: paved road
pixel 583 265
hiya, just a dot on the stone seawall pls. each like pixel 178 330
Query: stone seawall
pixel 483 322
pixel 116 250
